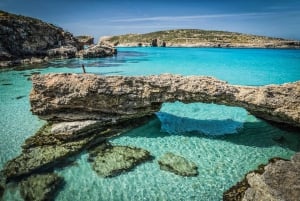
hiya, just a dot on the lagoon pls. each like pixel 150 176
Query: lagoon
pixel 222 160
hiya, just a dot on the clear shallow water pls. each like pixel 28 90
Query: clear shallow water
pixel 222 160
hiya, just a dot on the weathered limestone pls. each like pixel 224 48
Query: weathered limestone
pixel 25 40
pixel 97 51
pixel 53 145
pixel 72 97
pixel 112 160
pixel 279 180
pixel 178 165
pixel 41 187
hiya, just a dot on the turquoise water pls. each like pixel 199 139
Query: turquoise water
pixel 193 131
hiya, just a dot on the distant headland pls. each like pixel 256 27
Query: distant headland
pixel 199 38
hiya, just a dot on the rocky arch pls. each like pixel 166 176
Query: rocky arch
pixel 72 97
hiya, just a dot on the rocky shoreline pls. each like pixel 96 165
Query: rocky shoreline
pixel 84 110
pixel 25 40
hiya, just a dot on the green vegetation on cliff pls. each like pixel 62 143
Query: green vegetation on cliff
pixel 201 38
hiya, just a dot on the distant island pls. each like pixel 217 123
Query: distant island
pixel 198 38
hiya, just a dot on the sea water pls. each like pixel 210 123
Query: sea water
pixel 197 131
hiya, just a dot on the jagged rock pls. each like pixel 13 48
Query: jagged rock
pixel 41 187
pixel 97 51
pixel 178 165
pixel 276 181
pixel 72 97
pixel 280 181
pixel 85 40
pixel 23 37
pixel 110 160
pixel 62 52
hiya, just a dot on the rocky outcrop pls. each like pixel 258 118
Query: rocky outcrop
pixel 72 97
pixel 178 165
pixel 108 160
pixel 25 40
pixel 276 181
pixel 85 41
pixel 41 187
pixel 96 51
pixel 25 37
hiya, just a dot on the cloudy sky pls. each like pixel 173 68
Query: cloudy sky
pixel 279 18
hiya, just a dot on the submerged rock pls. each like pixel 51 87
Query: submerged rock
pixel 178 165
pixel 110 160
pixel 2 184
pixel 45 151
pixel 74 97
pixel 276 181
pixel 41 187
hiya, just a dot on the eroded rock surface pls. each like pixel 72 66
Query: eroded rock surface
pixel 279 180
pixel 178 165
pixel 73 97
pixel 52 145
pixel 108 160
pixel 41 187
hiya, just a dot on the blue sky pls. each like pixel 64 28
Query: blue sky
pixel 279 18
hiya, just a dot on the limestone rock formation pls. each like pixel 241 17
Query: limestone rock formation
pixel 25 40
pixel 276 181
pixel 111 160
pixel 24 37
pixel 52 145
pixel 72 97
pixel 56 143
pixel 85 40
pixel 178 165
pixel 41 187
pixel 97 51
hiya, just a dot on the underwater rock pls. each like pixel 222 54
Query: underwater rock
pixel 178 165
pixel 2 184
pixel 41 187
pixel 278 180
pixel 41 158
pixel 108 160
pixel 73 97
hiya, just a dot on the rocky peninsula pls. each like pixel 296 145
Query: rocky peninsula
pixel 199 38
pixel 26 40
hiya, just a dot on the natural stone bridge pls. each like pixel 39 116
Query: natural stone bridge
pixel 72 97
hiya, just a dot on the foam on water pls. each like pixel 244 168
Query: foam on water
pixel 222 160
pixel 210 119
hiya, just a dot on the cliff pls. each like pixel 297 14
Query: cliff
pixel 200 38
pixel 28 40
pixel 70 97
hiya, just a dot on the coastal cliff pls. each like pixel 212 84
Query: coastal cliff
pixel 199 38
pixel 71 97
pixel 26 40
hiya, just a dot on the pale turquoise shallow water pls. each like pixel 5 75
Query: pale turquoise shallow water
pixel 222 160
